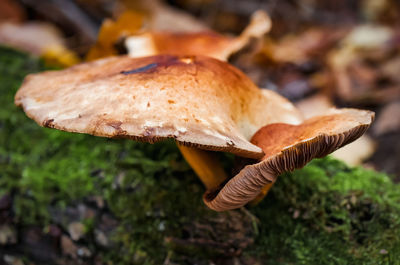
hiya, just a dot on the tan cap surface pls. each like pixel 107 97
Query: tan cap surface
pixel 198 101
pixel 286 148
pixel 197 43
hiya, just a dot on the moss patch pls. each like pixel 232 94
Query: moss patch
pixel 331 214
pixel 326 213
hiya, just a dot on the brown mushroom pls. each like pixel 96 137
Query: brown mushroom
pixel 207 43
pixel 287 147
pixel 198 101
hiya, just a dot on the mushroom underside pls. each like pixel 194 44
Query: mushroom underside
pixel 288 147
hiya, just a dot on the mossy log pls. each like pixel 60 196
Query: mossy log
pixel 142 204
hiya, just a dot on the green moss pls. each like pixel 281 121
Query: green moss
pixel 330 214
pixel 325 213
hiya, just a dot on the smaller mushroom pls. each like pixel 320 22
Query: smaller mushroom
pixel 207 43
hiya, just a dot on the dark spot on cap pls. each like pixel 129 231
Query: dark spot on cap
pixel 148 132
pixel 117 126
pixel 230 143
pixel 141 69
pixel 48 123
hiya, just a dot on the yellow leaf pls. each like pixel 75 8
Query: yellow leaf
pixel 111 32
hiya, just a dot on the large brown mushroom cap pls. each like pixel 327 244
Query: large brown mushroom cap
pixel 286 148
pixel 198 101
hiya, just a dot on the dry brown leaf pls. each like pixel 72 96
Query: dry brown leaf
pixel 112 32
pixel 300 48
pixel 391 69
pixel 355 65
pixel 388 120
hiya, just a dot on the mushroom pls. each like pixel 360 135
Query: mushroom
pixel 181 42
pixel 200 102
pixel 207 43
pixel 287 147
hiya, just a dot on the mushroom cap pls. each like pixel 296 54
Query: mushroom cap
pixel 286 148
pixel 207 43
pixel 197 100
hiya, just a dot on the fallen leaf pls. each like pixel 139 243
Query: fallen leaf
pixel 388 119
pixel 391 69
pixel 355 65
pixel 299 48
pixel 112 32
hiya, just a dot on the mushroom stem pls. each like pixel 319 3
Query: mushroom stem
pixel 205 164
